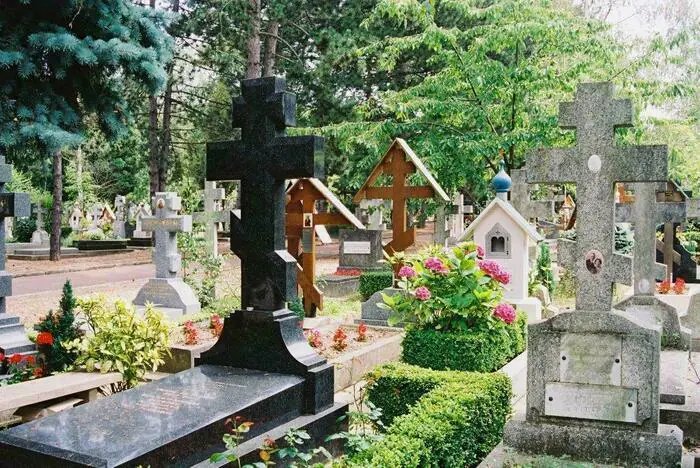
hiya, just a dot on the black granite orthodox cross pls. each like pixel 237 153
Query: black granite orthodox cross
pixel 594 165
pixel 262 160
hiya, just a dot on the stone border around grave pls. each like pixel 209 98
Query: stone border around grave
pixel 338 286
pixel 349 368
pixel 111 244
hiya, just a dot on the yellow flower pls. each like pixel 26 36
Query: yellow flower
pixel 264 455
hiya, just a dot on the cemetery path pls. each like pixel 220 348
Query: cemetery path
pixel 54 282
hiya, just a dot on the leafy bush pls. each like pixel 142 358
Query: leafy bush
pixel 92 235
pixel 373 281
pixel 624 241
pixel 23 229
pixel 440 418
pixel 121 340
pixel 543 270
pixel 200 269
pixel 56 329
pixel 481 351
pixel 457 292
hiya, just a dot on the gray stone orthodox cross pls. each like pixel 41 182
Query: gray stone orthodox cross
pixel 645 213
pixel 211 214
pixel 595 164
pixel 262 160
pixel 166 224
pixel 520 198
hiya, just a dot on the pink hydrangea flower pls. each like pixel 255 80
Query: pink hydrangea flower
pixel 407 272
pixel 495 271
pixel 505 312
pixel 434 264
pixel 480 251
pixel 422 293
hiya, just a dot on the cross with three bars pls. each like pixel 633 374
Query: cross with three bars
pixel 262 160
pixel 595 164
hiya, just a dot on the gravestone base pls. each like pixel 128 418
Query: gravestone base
pixel 140 242
pixel 530 305
pixel 168 293
pixel 651 310
pixel 372 314
pixel 13 336
pixel 594 444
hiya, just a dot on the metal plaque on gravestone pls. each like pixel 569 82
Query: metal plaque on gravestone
pixel 360 248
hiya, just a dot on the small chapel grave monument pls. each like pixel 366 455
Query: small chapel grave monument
pixel 506 237
pixel 167 291
pixel 261 369
pixel 593 373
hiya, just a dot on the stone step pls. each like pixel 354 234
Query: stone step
pixel 674 366
pixel 16 344
pixel 6 319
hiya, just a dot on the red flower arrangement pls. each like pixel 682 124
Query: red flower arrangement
pixel 664 287
pixel 44 338
pixel 216 325
pixel 362 332
pixel 190 332
pixel 314 338
pixel 340 339
pixel 679 286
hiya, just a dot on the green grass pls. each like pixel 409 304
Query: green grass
pixel 341 306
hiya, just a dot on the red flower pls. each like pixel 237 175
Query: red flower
pixel 38 372
pixel 2 357
pixel 44 338
pixel 15 359
pixel 30 360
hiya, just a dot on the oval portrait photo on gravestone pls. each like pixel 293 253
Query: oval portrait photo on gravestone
pixel 594 261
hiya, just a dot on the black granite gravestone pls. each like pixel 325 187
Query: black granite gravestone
pixel 261 369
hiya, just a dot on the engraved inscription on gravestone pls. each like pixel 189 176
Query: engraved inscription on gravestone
pixel 357 247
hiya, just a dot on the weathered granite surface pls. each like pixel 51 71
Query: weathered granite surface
pixel 372 314
pixel 366 241
pixel 520 198
pixel 166 290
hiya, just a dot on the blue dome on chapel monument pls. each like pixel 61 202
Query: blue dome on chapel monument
pixel 502 183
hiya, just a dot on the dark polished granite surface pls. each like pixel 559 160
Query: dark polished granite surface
pixel 181 413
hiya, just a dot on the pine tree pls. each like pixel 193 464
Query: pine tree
pixel 62 328
pixel 61 61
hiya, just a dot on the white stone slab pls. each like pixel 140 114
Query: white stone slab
pixel 591 358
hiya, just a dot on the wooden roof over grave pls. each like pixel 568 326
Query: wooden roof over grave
pixel 344 215
pixel 511 212
pixel 433 189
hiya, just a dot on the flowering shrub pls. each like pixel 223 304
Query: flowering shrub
pixel 216 325
pixel 20 368
pixel 191 333
pixel 362 332
pixel 340 339
pixel 664 287
pixel 55 329
pixel 679 286
pixel 454 291
pixel 314 338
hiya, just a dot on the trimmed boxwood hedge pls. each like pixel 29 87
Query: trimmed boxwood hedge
pixel 373 281
pixel 478 352
pixel 439 418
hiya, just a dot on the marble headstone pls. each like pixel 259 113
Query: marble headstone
pixel 40 236
pixel 119 225
pixel 212 214
pixel 142 212
pixel 167 291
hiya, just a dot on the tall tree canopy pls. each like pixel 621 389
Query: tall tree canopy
pixel 61 61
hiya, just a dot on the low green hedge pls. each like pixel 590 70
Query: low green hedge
pixel 373 281
pixel 477 351
pixel 440 418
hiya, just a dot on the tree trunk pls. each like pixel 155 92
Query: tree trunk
pixel 55 245
pixel 79 175
pixel 153 143
pixel 253 64
pixel 270 57
pixel 166 134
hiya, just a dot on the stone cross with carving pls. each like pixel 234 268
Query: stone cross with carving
pixel 166 223
pixel 262 160
pixel 645 213
pixel 520 198
pixel 595 164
